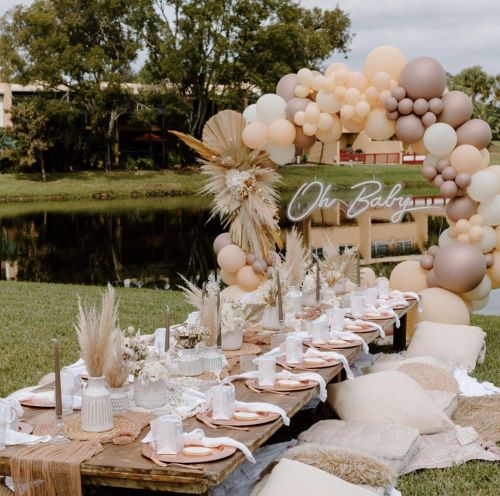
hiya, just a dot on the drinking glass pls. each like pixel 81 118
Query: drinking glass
pixel 247 363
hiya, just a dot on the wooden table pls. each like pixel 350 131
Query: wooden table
pixel 124 466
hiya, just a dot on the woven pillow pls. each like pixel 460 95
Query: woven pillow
pixel 453 345
pixel 394 445
pixel 387 397
pixel 292 478
pixel 348 464
pixel 393 361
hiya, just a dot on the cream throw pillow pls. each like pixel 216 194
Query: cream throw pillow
pixel 390 397
pixel 292 478
pixel 452 345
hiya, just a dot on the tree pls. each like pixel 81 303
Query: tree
pixel 83 48
pixel 217 53
pixel 485 93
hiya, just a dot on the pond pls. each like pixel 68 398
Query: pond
pixel 149 242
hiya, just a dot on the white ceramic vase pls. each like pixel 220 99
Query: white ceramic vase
pixel 309 298
pixel 233 340
pixel 148 394
pixel 97 412
pixel 270 318
pixel 120 400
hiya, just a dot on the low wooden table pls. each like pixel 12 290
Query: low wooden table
pixel 124 466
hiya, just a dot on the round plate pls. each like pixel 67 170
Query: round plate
pixel 24 427
pixel 329 362
pixel 217 454
pixel 400 307
pixel 246 349
pixel 264 418
pixel 362 329
pixel 378 317
pixel 282 389
pixel 338 346
pixel 38 403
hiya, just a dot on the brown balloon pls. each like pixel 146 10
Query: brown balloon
pixel 449 173
pixel 436 105
pixel 420 106
pixel 295 105
pixel 409 129
pixel 463 180
pixel 438 181
pixel 405 106
pixel 286 86
pixel 433 250
pixel 459 267
pixel 302 140
pixel 461 208
pixel 442 164
pixel 457 108
pixel 426 262
pixel 391 104
pixel 429 172
pixel 423 77
pixel 392 116
pixel 448 189
pixel 398 93
pixel 475 132
pixel 428 119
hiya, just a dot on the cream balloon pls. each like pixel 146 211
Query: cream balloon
pixel 481 291
pixel 409 276
pixel 301 91
pixel 440 139
pixel 384 58
pixel 250 113
pixel 495 169
pixel 357 80
pixel 325 121
pixel 247 279
pixel 490 211
pixel 305 77
pixel 333 134
pixel 299 118
pixel 362 109
pixel 281 132
pixel 489 239
pixel 223 239
pixel 347 112
pixel 328 102
pixel 377 126
pixel 229 278
pixel 309 129
pixel 332 68
pixel 352 126
pixel 327 85
pixel 231 258
pixel 312 112
pixel 444 307
pixel 232 293
pixel 352 96
pixel 270 107
pixel 381 81
pixel 479 304
pixel 255 135
pixel 342 77
pixel 445 239
pixel 484 186
pixel 281 155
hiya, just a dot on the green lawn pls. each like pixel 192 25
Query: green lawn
pixel 31 314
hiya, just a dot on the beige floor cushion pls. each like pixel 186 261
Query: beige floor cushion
pixel 292 478
pixel 452 345
pixel 392 444
pixel 393 361
pixel 387 397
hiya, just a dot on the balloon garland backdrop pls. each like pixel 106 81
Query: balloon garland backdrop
pixel 408 100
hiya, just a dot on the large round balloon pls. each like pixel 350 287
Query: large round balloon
pixel 484 186
pixel 296 105
pixel 281 132
pixel 302 140
pixel 461 207
pixel 384 58
pixel 494 270
pixel 444 307
pixel 231 258
pixel 459 267
pixel 248 279
pixel 220 241
pixel 423 77
pixel 286 86
pixel 229 278
pixel 440 139
pixel 474 132
pixel 457 108
pixel 377 126
pixel 490 211
pixel 409 276
pixel 281 154
pixel 409 128
pixel 270 107
pixel 255 135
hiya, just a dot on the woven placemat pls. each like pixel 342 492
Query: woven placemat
pixel 4 490
pixel 126 428
pixel 430 376
pixel 246 349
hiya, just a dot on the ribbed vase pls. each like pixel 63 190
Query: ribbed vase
pixel 120 400
pixel 148 394
pixel 97 412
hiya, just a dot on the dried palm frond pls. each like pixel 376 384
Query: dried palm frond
pixel 192 293
pixel 115 369
pixel 245 199
pixel 94 332
pixel 297 258
pixel 336 266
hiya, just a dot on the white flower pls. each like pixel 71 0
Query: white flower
pixel 240 182
pixel 233 315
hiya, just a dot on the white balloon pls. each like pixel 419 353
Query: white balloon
pixel 440 139
pixel 484 186
pixel 431 160
pixel 489 239
pixel 478 304
pixel 328 102
pixel 281 155
pixel 481 291
pixel 490 211
pixel 271 107
pixel 250 113
pixel 445 239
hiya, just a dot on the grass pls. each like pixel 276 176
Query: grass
pixel 31 314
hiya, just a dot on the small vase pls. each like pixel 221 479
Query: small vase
pixel 120 400
pixel 328 296
pixel 190 363
pixel 97 413
pixel 212 359
pixel 148 394
pixel 233 340
pixel 270 318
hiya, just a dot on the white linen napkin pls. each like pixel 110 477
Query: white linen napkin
pixel 15 438
pixel 46 396
pixel 285 374
pixel 258 406
pixel 313 352
pixel 409 294
pixel 197 438
pixel 349 336
pixel 364 322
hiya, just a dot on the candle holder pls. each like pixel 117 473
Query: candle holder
pixel 59 436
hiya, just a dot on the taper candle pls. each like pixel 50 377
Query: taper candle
pixel 167 329
pixel 219 320
pixel 280 296
pixel 57 379
pixel 203 296
pixel 318 296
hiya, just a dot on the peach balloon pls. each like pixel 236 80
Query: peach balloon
pixel 494 271
pixel 384 58
pixel 247 279
pixel 281 132
pixel 342 77
pixel 255 135
pixel 232 292
pixel 299 118
pixel 381 81
pixel 367 276
pixel 231 258
pixel 347 112
pixel 328 85
pixel 301 91
pixel 352 126
pixel 466 158
pixel 305 77
pixel 378 126
pixel 309 129
pixel 333 133
pixel 340 91
pixel 325 121
pixel 352 96
pixel 229 278
pixel 442 306
pixel 372 94
pixel 332 68
pixel 409 276
pixel 362 109
pixel 328 102
pixel 357 80
pixel 312 112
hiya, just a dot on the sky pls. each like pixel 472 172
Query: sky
pixel 458 33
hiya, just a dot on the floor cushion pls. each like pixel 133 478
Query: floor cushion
pixel 387 397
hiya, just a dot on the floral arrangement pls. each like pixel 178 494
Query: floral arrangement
pixel 143 362
pixel 233 315
pixel 336 266
pixel 269 291
pixel 189 335
pixel 309 282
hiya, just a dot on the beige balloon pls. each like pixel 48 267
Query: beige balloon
pixel 495 169
pixel 444 307
pixel 247 279
pixel 490 211
pixel 231 258
pixel 333 133
pixel 352 126
pixel 255 135
pixel 368 277
pixel 466 158
pixel 232 292
pixel 494 271
pixel 378 126
pixel 409 276
pixel 228 278
pixel 384 58
pixel 357 80
pixel 281 132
